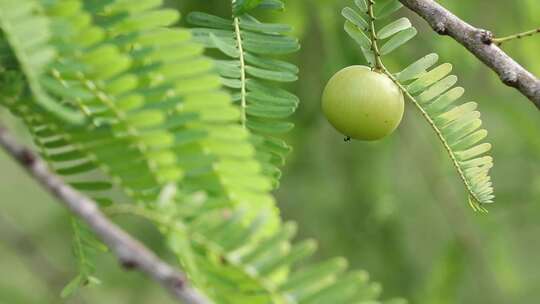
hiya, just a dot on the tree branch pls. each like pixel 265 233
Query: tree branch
pixel 479 43
pixel 130 252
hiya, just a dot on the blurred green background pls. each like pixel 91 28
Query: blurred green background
pixel 394 207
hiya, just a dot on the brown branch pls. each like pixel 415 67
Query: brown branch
pixel 479 43
pixel 130 252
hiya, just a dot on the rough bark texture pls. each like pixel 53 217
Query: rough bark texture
pixel 479 43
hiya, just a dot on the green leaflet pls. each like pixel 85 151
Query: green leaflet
pixel 362 5
pixel 398 40
pixel 393 28
pixel 355 18
pixel 418 68
pixel 358 35
pixel 272 4
pixel 430 78
pixel 385 8
pixel 242 6
pixel 432 91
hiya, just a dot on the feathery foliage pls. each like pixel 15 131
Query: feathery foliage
pixel 161 140
pixel 249 69
pixel 431 91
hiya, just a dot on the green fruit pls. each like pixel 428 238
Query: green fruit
pixel 362 104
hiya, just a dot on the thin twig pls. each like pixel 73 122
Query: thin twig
pixel 500 41
pixel 480 43
pixel 130 252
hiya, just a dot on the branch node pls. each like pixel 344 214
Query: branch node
pixel 27 158
pixel 440 28
pixel 486 36
pixel 178 282
pixel 509 78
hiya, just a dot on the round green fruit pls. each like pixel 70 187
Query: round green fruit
pixel 362 104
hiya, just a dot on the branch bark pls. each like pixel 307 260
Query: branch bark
pixel 479 43
pixel 131 253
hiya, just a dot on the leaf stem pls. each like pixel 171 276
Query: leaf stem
pixel 500 41
pixel 379 67
pixel 243 90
